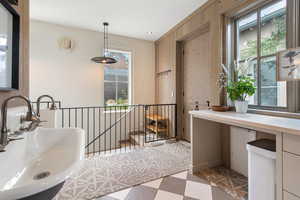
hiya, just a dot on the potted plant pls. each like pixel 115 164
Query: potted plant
pixel 236 81
pixel 239 90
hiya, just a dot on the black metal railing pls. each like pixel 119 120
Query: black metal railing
pixel 120 127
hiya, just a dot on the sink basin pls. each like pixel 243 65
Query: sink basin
pixel 40 161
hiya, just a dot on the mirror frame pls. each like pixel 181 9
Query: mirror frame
pixel 15 47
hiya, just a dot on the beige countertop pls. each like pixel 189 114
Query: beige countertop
pixel 266 123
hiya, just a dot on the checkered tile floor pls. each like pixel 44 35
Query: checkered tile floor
pixel 182 186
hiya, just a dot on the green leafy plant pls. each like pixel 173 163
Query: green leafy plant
pixel 242 88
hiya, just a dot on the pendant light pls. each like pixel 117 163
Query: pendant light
pixel 104 59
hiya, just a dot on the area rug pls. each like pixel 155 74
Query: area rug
pixel 101 175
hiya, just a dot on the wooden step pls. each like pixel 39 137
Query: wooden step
pixel 156 129
pixel 139 139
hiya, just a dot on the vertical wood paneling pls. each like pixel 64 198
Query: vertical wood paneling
pixel 210 15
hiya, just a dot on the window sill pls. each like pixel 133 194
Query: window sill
pixel 275 113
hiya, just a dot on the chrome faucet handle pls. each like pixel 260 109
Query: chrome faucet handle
pixel 28 117
pixel 34 122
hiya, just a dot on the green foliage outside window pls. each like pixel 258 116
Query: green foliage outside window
pixel 269 45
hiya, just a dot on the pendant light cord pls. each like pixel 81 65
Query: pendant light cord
pixel 107 39
pixel 105 24
pixel 105 52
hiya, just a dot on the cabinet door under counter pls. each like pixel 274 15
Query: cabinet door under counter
pixel 291 165
pixel 291 143
pixel 207 126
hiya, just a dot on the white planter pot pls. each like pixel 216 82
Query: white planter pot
pixel 241 106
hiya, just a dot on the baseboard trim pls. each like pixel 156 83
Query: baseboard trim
pixel 197 168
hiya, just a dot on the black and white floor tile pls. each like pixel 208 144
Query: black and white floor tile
pixel 181 186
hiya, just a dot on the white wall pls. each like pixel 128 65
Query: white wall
pixel 75 80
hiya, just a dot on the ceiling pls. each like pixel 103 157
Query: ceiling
pixel 132 18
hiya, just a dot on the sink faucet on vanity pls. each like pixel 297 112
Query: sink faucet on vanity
pixel 38 106
pixel 4 135
pixel 34 174
pixel 31 117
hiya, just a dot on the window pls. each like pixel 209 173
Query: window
pixel 117 79
pixel 260 34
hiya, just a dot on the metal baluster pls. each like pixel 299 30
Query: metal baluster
pixel 168 123
pixel 110 129
pixel 94 129
pixel 148 121
pixel 144 126
pixel 175 118
pixel 164 117
pixel 158 114
pixel 99 128
pixel 139 124
pixel 129 132
pixel 116 128
pixel 104 129
pixel 120 114
pixel 88 126
pixel 134 128
pixel 150 131
pixel 76 117
pixel 82 118
pixel 69 117
pixel 126 127
pixel 62 118
pixel 155 135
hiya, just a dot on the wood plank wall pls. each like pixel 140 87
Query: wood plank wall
pixel 169 68
pixel 212 14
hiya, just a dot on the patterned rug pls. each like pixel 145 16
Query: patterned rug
pixel 101 175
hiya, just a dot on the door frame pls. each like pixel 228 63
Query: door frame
pixel 180 74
